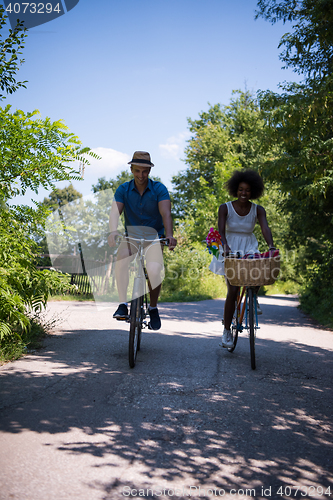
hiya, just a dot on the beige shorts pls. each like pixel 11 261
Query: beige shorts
pixel 153 252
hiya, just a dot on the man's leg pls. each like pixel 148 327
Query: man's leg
pixel 124 257
pixel 155 268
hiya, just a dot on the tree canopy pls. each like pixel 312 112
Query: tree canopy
pixel 224 138
pixel 299 119
pixel 308 48
pixel 11 48
pixel 299 122
pixel 60 197
pixel 288 138
pixel 124 176
pixel 34 152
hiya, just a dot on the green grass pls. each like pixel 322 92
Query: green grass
pixel 71 298
pixel 208 287
pixel 318 306
pixel 18 344
pixel 281 288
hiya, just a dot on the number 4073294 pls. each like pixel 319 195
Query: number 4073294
pixel 33 8
pixel 304 491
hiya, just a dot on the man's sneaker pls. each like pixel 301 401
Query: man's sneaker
pixel 121 312
pixel 155 322
pixel 227 339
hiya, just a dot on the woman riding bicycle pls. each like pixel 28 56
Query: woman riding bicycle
pixel 236 222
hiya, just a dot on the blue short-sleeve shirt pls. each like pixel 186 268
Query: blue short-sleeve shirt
pixel 142 210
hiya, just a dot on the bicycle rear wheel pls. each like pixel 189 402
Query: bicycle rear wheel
pixel 252 326
pixel 135 330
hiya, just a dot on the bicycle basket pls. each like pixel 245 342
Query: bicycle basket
pixel 252 272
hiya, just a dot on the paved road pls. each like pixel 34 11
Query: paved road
pixel 189 421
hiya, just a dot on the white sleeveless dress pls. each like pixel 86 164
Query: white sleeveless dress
pixel 239 230
pixel 239 234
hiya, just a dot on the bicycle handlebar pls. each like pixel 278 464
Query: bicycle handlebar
pixel 163 241
pixel 231 255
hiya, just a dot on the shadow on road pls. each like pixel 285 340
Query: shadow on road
pixel 229 428
pixel 273 313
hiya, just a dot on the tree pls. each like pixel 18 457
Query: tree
pixel 224 139
pixel 207 146
pixel 34 152
pixel 299 122
pixel 60 197
pixel 57 199
pixel 309 47
pixel 124 176
pixel 10 49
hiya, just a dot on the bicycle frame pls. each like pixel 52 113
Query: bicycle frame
pixel 139 287
pixel 246 308
pixel 241 306
pixel 139 302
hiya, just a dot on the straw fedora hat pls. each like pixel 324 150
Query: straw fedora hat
pixel 141 158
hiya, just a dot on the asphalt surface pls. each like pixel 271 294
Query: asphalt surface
pixel 191 420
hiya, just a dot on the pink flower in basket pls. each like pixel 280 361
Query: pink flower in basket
pixel 213 240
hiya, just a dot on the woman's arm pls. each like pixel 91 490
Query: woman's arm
pixel 266 232
pixel 222 218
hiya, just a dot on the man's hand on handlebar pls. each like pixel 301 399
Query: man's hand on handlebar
pixel 172 242
pixel 112 238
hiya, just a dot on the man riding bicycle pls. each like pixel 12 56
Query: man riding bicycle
pixel 147 210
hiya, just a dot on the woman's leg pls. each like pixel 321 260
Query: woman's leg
pixel 229 306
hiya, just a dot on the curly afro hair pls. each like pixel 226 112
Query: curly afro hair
pixel 250 177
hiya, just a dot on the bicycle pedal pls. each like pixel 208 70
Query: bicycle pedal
pixel 126 318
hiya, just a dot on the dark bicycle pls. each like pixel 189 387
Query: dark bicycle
pixel 139 303
pixel 249 275
pixel 245 310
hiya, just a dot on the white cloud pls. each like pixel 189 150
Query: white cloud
pixel 174 146
pixel 111 161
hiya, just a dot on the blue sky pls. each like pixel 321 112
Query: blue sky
pixel 125 75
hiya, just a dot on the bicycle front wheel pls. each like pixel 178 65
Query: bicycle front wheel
pixel 135 330
pixel 143 309
pixel 252 326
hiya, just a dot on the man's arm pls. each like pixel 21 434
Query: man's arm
pixel 164 208
pixel 116 211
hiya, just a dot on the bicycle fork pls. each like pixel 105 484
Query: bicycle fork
pixel 255 310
